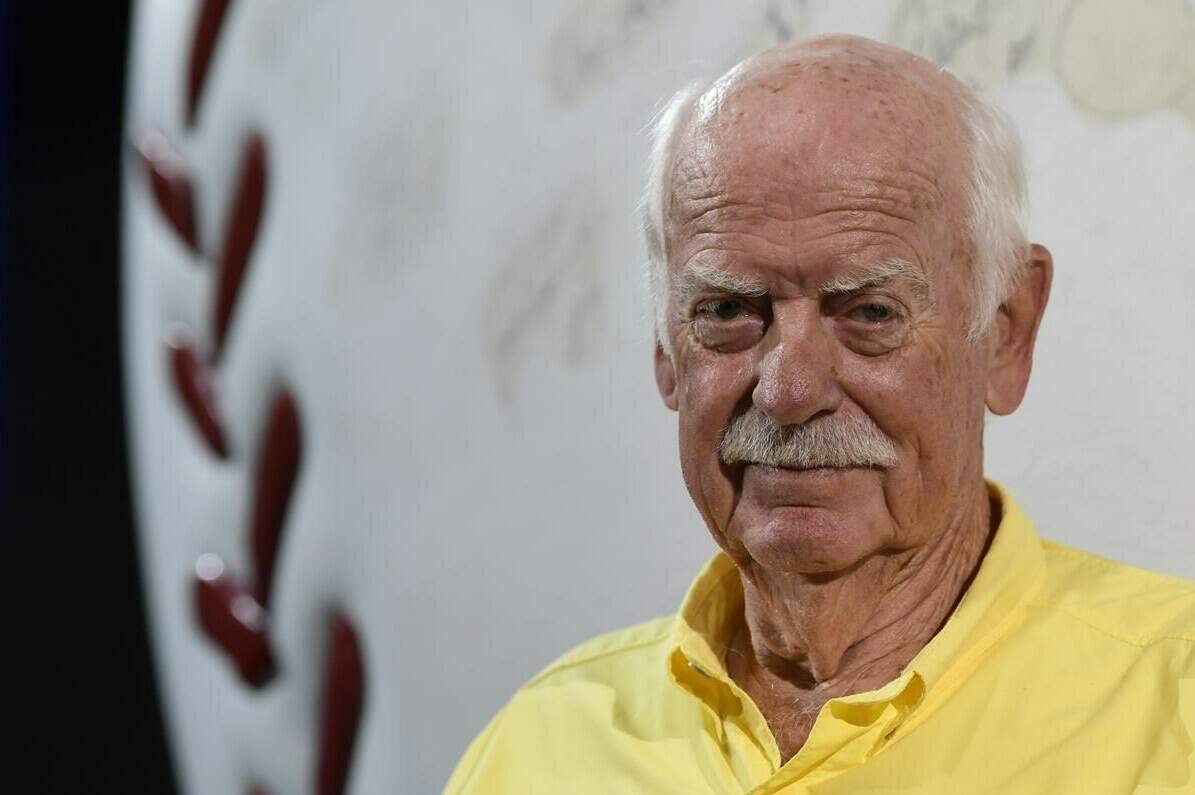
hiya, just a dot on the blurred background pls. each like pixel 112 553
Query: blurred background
pixel 326 382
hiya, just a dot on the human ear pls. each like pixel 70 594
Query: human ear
pixel 666 377
pixel 1014 333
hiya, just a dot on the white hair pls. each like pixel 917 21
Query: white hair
pixel 840 439
pixel 995 222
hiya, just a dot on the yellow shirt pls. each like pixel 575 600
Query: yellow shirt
pixel 1058 672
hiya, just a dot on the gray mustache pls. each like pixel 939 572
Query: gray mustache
pixel 836 440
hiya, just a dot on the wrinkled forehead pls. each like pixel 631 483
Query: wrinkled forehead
pixel 794 130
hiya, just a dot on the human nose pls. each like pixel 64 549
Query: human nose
pixel 798 377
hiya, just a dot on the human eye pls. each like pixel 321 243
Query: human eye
pixel 727 324
pixel 874 313
pixel 723 308
pixel 871 325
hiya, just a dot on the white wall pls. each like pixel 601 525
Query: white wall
pixel 448 277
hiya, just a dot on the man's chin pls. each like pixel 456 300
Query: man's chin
pixel 804 540
pixel 807 521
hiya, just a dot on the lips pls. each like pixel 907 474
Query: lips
pixel 806 471
pixel 785 486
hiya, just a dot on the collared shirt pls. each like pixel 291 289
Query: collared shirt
pixel 1058 672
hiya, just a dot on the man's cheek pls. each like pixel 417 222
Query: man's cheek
pixel 707 480
pixel 716 382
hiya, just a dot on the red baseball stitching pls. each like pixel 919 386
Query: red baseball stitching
pixel 233 615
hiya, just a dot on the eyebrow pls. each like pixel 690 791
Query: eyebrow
pixel 871 276
pixel 698 277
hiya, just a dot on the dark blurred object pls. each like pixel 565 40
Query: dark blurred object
pixel 96 716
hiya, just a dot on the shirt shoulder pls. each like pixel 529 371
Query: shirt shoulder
pixel 564 704
pixel 635 641
pixel 1133 605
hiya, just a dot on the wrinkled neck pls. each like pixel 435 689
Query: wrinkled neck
pixel 805 639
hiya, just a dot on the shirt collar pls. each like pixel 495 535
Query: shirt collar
pixel 1012 572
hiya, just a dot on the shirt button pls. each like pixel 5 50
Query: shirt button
pixel 699 669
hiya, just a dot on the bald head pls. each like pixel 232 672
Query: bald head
pixel 844 113
pixel 797 74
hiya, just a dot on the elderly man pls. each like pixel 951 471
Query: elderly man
pixel 842 286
